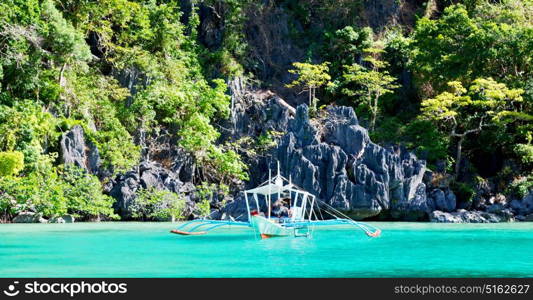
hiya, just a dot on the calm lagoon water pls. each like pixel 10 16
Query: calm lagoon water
pixel 149 250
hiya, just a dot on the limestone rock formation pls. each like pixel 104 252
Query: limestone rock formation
pixel 147 174
pixel 333 157
pixel 524 206
pixel 29 217
pixel 464 216
pixel 75 149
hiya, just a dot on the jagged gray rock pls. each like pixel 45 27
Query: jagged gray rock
pixel 68 218
pixel 58 220
pixel 523 206
pixel 147 174
pixel 75 149
pixel 444 201
pixel 438 216
pixel 463 216
pixel 333 158
pixel 29 217
pixel 417 209
pixel 340 164
pixel 506 215
pixel 253 117
pixel 527 203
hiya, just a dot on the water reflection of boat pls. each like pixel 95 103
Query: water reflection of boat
pixel 278 207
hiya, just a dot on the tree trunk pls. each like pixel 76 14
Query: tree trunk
pixel 374 110
pixel 61 75
pixel 142 141
pixel 458 156
pixel 310 95
pixel 313 100
pixel 372 121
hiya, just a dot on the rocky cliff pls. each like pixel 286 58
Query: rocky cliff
pixel 329 154
pixel 332 156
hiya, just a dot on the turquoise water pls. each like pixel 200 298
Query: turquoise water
pixel 149 250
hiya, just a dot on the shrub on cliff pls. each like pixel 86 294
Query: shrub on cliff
pixel 84 196
pixel 11 163
pixel 55 191
pixel 158 205
pixel 520 187
pixel 525 153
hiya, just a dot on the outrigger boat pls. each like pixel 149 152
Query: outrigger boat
pixel 296 219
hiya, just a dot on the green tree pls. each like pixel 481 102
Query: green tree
pixel 24 127
pixel 66 45
pixel 11 163
pixel 373 82
pixel 525 153
pixel 463 46
pixel 346 47
pixel 310 77
pixel 463 112
pixel 55 191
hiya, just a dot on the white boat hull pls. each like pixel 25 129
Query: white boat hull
pixel 268 228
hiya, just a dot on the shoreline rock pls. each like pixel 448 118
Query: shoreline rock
pixel 29 217
pixel 464 216
pixel 62 219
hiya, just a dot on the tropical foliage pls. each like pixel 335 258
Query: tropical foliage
pixel 453 83
pixel 464 112
pixel 370 81
pixel 125 71
pixel 159 205
pixel 310 78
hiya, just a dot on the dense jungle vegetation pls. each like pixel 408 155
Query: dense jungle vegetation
pixel 455 82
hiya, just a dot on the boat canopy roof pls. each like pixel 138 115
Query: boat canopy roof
pixel 301 200
pixel 277 185
pixel 270 189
